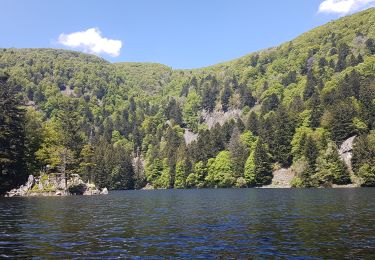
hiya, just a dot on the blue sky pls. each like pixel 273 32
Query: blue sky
pixel 178 33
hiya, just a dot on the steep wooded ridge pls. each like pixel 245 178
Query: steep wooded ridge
pixel 122 125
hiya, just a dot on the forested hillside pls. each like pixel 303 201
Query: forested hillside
pixel 124 125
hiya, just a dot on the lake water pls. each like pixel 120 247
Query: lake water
pixel 226 223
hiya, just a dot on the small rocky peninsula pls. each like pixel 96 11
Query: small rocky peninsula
pixel 55 185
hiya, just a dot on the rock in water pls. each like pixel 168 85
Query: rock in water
pixel 346 151
pixel 53 185
pixel 148 187
pixel 30 182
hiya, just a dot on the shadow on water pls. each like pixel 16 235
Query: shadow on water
pixel 236 223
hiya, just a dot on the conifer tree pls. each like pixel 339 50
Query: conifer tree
pixel 87 162
pixel 122 173
pixel 330 168
pixel 181 174
pixel 258 167
pixel 311 152
pixel 343 51
pixel 252 123
pixel 310 86
pixel 12 138
pixel 341 120
pixel 238 152
pixel 281 137
pixel 225 96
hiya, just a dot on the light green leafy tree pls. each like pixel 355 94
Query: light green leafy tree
pixel 220 171
pixel 196 179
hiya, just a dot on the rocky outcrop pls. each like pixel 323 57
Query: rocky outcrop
pixel 346 151
pixel 104 191
pixel 219 117
pixel 54 185
pixel 22 191
pixel 189 136
pixel 148 187
pixel 282 178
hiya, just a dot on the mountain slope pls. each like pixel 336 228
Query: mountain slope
pixel 297 102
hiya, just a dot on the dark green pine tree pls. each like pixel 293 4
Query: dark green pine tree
pixel 290 78
pixel 225 96
pixel 238 152
pixel 362 153
pixel 122 173
pixel 281 137
pixel 103 162
pixel 71 123
pixel 355 83
pixel 316 110
pixel 252 123
pixel 359 59
pixel 366 96
pixel 245 95
pixel 263 164
pixel 216 141
pixel 370 45
pixel 349 86
pixel 270 103
pixel 310 86
pixel 200 150
pixel 173 141
pixel 343 51
pixel 341 123
pixel 352 60
pixel 173 111
pixel 210 93
pixel 12 138
pixel 310 152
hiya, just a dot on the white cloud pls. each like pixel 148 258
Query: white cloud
pixel 343 7
pixel 91 41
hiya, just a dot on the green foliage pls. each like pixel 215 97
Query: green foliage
pixel 310 152
pixel 196 179
pixel 220 171
pixel 33 140
pixel 163 181
pixel 12 138
pixel 363 161
pixel 238 152
pixel 258 167
pixel 88 116
pixel 52 144
pixel 280 137
pixel 181 174
pixel 252 123
pixel 367 173
pixel 191 109
pixel 301 173
pixel 110 166
pixel 331 169
pixel 225 96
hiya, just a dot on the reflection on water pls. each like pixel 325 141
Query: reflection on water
pixel 236 223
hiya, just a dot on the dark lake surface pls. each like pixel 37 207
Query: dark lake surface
pixel 225 223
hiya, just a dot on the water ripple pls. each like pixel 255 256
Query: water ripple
pixel 208 224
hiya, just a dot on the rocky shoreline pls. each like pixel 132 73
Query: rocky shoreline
pixel 54 185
